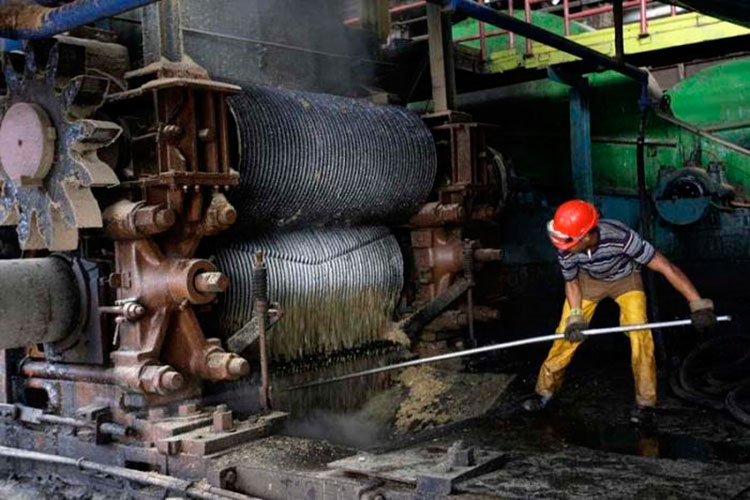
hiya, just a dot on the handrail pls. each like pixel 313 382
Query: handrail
pixel 568 16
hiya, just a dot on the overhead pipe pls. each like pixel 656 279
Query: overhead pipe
pixel 30 20
pixel 504 21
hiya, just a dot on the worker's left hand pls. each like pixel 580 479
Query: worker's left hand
pixel 703 315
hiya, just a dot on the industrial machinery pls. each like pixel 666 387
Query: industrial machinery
pixel 166 221
pixel 171 240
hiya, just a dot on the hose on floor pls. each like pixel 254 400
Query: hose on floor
pixel 716 375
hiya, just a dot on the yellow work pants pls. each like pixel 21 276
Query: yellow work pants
pixel 632 312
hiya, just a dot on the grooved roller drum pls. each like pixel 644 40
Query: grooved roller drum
pixel 39 301
pixel 338 287
pixel 318 158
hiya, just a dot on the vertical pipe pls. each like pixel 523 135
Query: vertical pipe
pixel 580 141
pixel 566 15
pixel 150 33
pixel 511 34
pixel 209 134
pixel 171 30
pixel 619 37
pixel 644 18
pixel 482 42
pixel 468 264
pixel 641 174
pixel 674 10
pixel 260 289
pixel 646 228
pixel 441 59
pixel 527 10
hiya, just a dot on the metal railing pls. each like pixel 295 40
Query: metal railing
pixel 484 33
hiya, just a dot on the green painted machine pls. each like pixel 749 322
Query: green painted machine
pixel 697 156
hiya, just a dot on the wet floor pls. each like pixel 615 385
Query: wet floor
pixel 649 442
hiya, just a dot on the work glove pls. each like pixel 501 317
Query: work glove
pixel 703 315
pixel 574 327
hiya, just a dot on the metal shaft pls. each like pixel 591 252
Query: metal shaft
pixel 39 301
pixel 504 345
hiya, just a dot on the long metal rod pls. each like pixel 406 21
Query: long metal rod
pixel 504 21
pixel 504 345
pixel 188 488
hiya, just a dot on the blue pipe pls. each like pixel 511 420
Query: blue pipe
pixel 8 45
pixel 503 21
pixel 43 22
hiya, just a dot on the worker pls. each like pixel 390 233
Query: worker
pixel 600 259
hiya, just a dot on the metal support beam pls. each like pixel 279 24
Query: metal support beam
pixel 162 32
pixel 36 21
pixel 506 22
pixel 442 68
pixel 619 37
pixel 171 30
pixel 580 141
pixel 151 34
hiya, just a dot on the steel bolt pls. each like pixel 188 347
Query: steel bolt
pixel 211 282
pixel 187 409
pixel 172 132
pixel 157 413
pixel 205 135
pixel 227 215
pixel 172 380
pixel 230 477
pixel 133 311
pixel 165 218
pixel 238 367
pixel 222 421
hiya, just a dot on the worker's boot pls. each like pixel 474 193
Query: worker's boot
pixel 642 415
pixel 536 403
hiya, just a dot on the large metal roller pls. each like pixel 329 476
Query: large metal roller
pixel 337 286
pixel 318 158
pixel 39 301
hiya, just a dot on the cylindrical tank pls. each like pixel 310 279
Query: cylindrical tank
pixel 39 301
pixel 323 159
pixel 337 287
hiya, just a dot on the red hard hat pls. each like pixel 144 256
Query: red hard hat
pixel 573 220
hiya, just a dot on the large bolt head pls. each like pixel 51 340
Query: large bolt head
pixel 27 143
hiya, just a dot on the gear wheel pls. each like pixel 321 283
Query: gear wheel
pixel 48 152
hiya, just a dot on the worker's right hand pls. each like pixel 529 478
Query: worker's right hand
pixel 702 315
pixel 574 328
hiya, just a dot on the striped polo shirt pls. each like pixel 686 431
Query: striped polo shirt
pixel 619 253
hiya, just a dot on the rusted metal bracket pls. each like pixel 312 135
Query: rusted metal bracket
pixel 424 315
pixel 248 334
